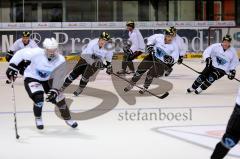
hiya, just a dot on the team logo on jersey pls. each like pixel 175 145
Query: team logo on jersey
pixel 160 52
pixel 43 74
pixel 221 61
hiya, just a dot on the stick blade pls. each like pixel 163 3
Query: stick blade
pixel 17 136
pixel 164 95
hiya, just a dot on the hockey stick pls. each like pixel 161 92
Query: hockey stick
pixel 191 68
pixel 200 72
pixel 14 110
pixel 236 79
pixel 160 97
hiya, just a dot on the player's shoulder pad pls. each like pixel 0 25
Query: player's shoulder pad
pixel 160 35
pixel 93 41
pixel 215 45
pixel 29 53
pixel 233 50
pixel 156 35
pixel 32 50
pixel 135 31
pixel 179 37
pixel 18 40
pixel 37 49
pixel 61 57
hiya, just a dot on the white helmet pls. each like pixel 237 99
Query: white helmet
pixel 50 43
pixel 51 47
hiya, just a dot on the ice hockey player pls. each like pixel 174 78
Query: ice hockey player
pixel 136 48
pixel 221 59
pixel 92 59
pixel 24 42
pixel 181 49
pixel 232 134
pixel 40 76
pixel 162 52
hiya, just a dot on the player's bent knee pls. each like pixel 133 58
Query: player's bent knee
pixel 210 80
pixel 139 72
pixel 84 79
pixel 72 76
pixel 201 79
pixel 38 98
pixel 229 141
pixel 39 104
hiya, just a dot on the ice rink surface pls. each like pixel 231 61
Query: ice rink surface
pixel 108 133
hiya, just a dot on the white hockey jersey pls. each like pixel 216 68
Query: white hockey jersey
pixel 136 38
pixel 40 68
pixel 180 44
pixel 93 48
pixel 18 45
pixel 226 60
pixel 161 48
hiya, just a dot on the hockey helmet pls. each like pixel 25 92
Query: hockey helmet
pixel 169 32
pixel 227 38
pixel 26 34
pixel 174 30
pixel 51 47
pixel 105 36
pixel 130 23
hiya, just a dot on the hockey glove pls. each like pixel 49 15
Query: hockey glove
pixel 180 60
pixel 168 59
pixel 129 54
pixel 209 62
pixel 150 49
pixel 52 95
pixel 127 50
pixel 12 72
pixel 232 74
pixel 9 55
pixel 109 69
pixel 23 65
pixel 98 64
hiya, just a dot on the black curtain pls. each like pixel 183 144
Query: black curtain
pixel 237 12
pixel 210 10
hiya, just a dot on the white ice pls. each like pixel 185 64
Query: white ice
pixel 108 137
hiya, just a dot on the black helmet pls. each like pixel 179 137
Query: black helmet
pixel 169 32
pixel 26 34
pixel 227 38
pixel 173 29
pixel 105 36
pixel 130 23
